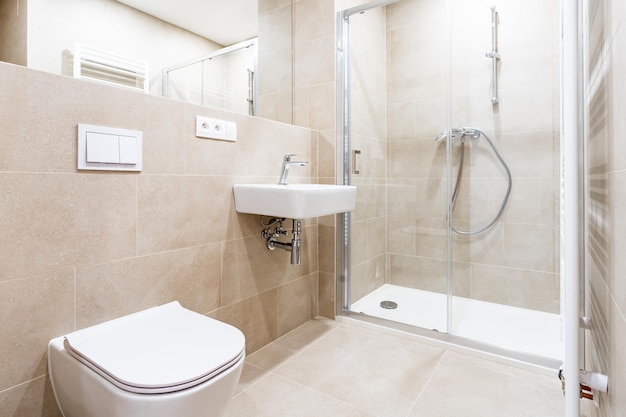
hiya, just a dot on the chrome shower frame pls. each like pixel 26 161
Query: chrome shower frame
pixel 343 155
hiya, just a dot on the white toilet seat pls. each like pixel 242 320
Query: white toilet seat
pixel 129 351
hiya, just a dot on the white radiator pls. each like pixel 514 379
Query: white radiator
pixel 105 67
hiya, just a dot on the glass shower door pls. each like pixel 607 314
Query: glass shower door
pixel 398 236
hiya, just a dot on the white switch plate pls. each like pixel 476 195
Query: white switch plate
pixel 216 129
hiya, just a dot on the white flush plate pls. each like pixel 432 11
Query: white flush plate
pixel 109 149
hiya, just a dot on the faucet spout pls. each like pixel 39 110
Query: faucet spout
pixel 287 163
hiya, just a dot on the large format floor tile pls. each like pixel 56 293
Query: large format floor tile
pixel 328 368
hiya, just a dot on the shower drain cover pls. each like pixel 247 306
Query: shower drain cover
pixel 389 305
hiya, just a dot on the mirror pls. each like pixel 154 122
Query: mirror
pixel 43 35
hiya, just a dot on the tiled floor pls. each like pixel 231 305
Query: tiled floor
pixel 328 368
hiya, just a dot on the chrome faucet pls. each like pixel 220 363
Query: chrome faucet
pixel 287 163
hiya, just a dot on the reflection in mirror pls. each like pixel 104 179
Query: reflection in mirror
pixel 222 79
pixel 42 34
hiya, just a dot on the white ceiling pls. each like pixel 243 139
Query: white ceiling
pixel 223 21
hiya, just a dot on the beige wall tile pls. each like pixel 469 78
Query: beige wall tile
pixel 326 247
pixel 327 157
pixel 422 79
pixel 402 123
pixel 368 113
pixel 525 202
pixel 370 199
pixel 402 13
pixel 550 201
pixel 48 144
pixel 256 317
pixel 415 159
pixel 322 106
pixel 429 274
pixel 483 248
pixel 376 232
pixel 34 310
pixel 401 235
pixel 314 62
pixel 418 198
pixel 301 116
pixel 516 287
pixel 367 276
pixel 249 268
pixel 327 295
pixel 13 32
pixel 55 221
pixel 358 241
pixel 278 74
pixel 314 19
pixel 297 303
pixel 275 58
pixel 181 211
pixel 530 247
pixel 410 44
pixel 528 154
pixel 431 117
pixel 33 398
pixel 276 106
pixel 191 276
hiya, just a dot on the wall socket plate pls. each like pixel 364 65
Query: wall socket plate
pixel 216 129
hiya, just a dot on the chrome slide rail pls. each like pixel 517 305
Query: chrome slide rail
pixel 494 55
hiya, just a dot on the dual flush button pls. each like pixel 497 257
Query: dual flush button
pixel 109 149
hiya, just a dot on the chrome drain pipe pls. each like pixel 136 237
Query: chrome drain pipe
pixel 296 243
pixel 295 246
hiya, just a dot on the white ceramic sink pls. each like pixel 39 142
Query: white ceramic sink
pixel 294 201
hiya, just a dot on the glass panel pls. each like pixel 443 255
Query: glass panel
pixel 225 81
pixel 397 96
pixel 367 127
pixel 506 278
pixel 186 83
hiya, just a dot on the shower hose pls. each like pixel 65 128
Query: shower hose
pixel 474 133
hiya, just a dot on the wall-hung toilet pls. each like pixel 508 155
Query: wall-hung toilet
pixel 166 361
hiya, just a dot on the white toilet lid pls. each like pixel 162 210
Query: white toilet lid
pixel 162 349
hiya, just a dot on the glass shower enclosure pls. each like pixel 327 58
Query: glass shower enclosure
pixel 449 119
